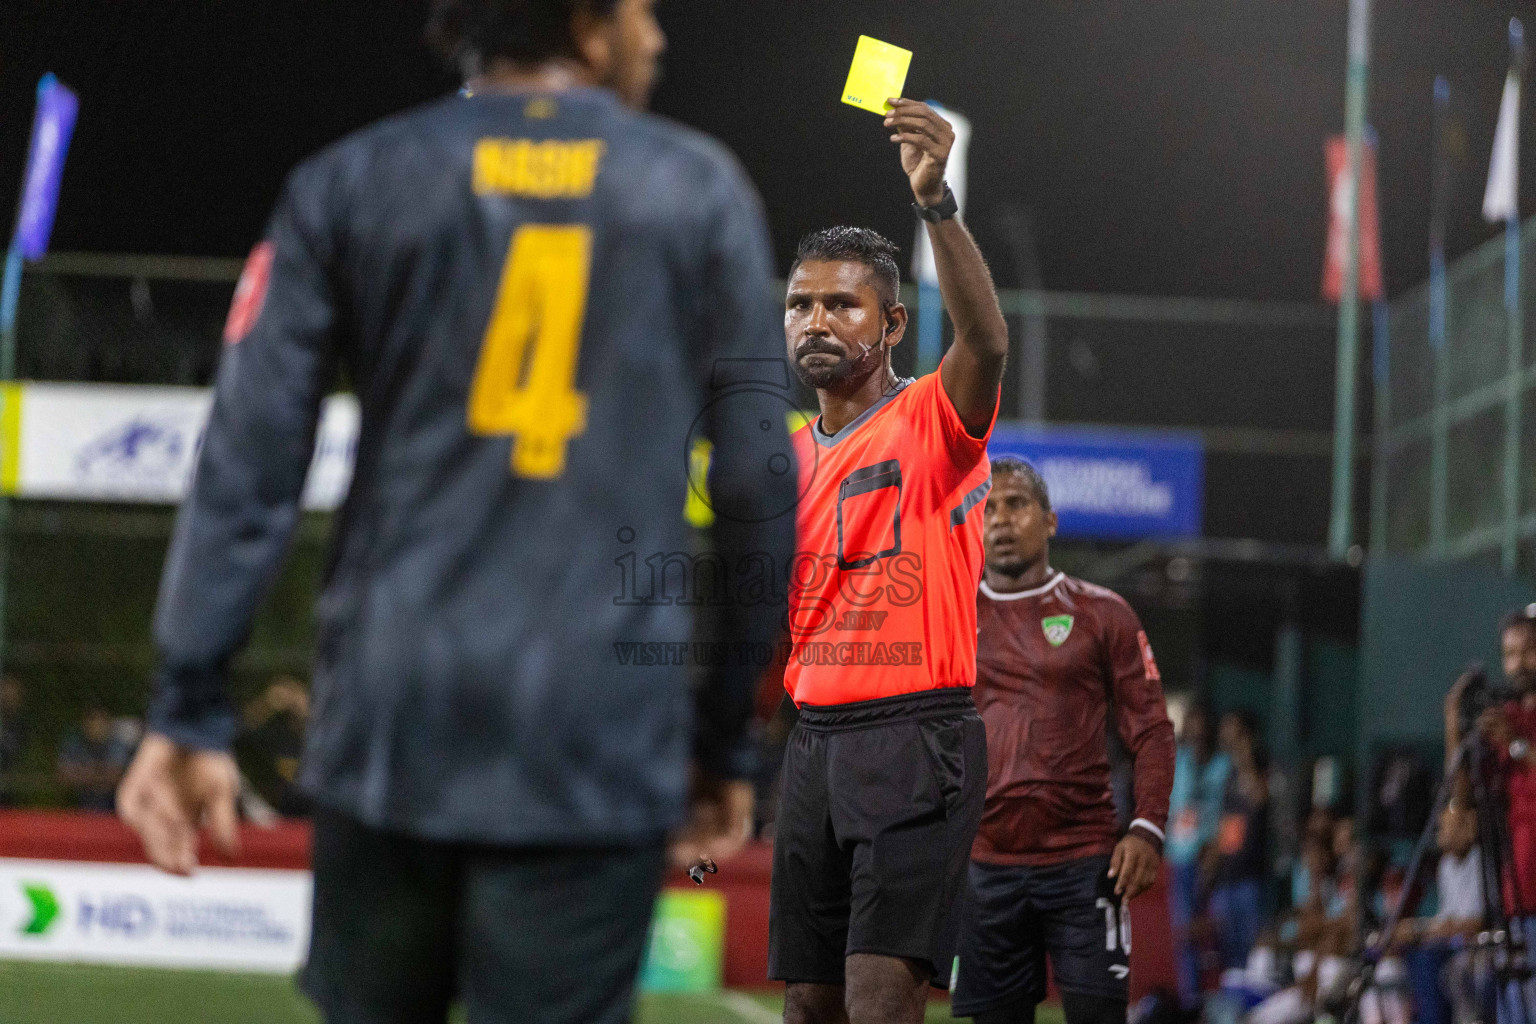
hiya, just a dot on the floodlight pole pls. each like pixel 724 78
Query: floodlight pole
pixel 1341 520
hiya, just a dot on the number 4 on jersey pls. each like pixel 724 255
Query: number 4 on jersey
pixel 525 381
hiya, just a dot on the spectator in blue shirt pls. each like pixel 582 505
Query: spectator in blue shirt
pixel 1239 858
pixel 1194 810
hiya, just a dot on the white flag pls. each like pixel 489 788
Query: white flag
pixel 1501 200
pixel 954 173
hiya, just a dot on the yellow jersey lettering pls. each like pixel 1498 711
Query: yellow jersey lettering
pixel 553 169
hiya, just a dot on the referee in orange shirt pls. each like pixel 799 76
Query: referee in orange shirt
pixel 885 775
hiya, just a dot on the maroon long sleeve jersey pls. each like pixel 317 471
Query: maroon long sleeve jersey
pixel 1053 664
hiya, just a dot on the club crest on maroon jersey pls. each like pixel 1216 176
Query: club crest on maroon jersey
pixel 1057 628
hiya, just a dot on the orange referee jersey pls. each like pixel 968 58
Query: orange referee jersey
pixel 882 596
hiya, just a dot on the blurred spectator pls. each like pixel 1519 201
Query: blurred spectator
pixel 1194 812
pixel 1402 794
pixel 1238 864
pixel 92 760
pixel 1452 983
pixel 272 742
pixel 1347 855
pixel 1316 849
pixel 1317 936
pixel 13 735
pixel 1459 881
pixel 1466 981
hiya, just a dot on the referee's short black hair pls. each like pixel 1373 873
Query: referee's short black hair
pixel 856 245
pixel 471 33
pixel 1012 465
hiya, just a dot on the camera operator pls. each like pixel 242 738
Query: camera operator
pixel 1509 729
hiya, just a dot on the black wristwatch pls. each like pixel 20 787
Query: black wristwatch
pixel 944 209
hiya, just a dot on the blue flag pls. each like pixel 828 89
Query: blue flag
pixel 54 123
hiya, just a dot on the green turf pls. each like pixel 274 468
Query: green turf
pixel 78 994
pixel 34 993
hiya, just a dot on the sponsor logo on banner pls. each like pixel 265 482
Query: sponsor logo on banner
pixel 108 443
pixel 255 920
pixel 1106 485
pixel 1115 484
pixel 140 449
pixel 259 920
pixel 91 442
pixel 45 908
pixel 686 948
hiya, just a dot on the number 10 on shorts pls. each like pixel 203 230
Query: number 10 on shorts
pixel 525 380
pixel 1117 925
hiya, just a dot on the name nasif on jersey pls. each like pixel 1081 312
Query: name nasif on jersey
pixel 549 169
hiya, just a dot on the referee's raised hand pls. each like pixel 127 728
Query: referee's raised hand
pixel 170 792
pixel 926 139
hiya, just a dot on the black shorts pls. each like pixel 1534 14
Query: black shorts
pixel 403 926
pixel 881 800
pixel 1016 916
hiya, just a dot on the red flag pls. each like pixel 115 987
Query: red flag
pixel 1338 237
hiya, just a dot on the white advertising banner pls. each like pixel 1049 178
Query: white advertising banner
pixel 98 442
pixel 236 919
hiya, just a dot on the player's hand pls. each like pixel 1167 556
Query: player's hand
pixel 719 821
pixel 1459 687
pixel 926 139
pixel 1134 866
pixel 170 792
pixel 1495 727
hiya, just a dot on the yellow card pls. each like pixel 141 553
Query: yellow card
pixel 879 71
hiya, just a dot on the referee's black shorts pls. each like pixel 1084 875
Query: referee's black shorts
pixel 1016 916
pixel 881 800
pixel 404 926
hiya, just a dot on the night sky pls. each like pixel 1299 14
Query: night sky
pixel 1160 146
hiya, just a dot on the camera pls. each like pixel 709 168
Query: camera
pixel 1478 696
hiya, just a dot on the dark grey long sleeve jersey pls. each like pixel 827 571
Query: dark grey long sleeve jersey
pixel 542 303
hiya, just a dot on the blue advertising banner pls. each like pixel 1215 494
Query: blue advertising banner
pixel 1115 484
pixel 54 123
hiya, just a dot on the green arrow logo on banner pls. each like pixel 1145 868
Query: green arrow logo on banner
pixel 45 908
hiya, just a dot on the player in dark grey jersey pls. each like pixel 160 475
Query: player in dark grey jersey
pixel 543 299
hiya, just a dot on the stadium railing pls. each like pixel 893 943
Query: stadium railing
pixel 1455 416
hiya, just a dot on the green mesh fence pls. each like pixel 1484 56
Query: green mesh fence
pixel 1455 421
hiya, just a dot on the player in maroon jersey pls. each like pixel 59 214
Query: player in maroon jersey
pixel 1057 659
